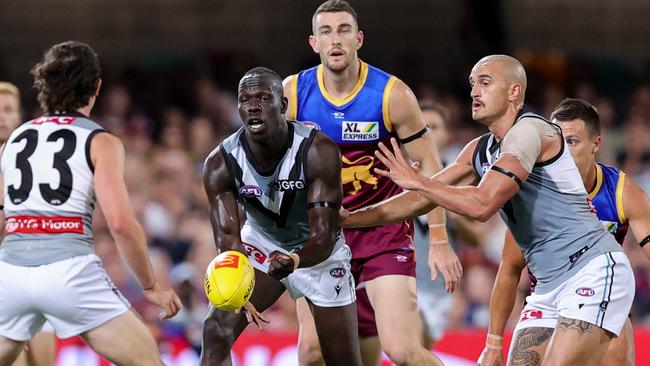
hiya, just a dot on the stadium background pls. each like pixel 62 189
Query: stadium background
pixel 170 73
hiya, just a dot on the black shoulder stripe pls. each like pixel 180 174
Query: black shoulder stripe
pixel 234 170
pixel 480 152
pixel 305 153
pixel 89 139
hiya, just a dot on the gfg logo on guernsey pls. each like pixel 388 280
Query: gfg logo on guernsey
pixel 43 225
pixel 288 185
pixel 360 131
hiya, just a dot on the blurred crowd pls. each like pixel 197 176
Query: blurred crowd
pixel 171 119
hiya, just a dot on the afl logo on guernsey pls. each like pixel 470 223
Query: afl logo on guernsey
pixel 360 131
pixel 250 191
pixel 585 291
pixel 311 124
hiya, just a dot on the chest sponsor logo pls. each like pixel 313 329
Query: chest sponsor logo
pixel 611 227
pixel 311 124
pixel 360 131
pixel 250 191
pixel 43 225
pixel 51 119
pixel 254 252
pixel 356 172
pixel 288 185
pixel 585 291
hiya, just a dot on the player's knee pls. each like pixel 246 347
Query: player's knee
pixel 309 354
pixel 217 332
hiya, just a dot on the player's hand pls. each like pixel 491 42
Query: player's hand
pixel 166 298
pixel 399 171
pixel 490 357
pixel 280 265
pixel 252 315
pixel 442 258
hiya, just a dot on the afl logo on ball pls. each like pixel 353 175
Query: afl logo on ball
pixel 250 191
pixel 337 272
pixel 585 291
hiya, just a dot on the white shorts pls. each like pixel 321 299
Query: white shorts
pixel 601 293
pixel 327 284
pixel 74 295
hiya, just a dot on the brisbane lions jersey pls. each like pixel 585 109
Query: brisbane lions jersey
pixel 48 190
pixel 357 122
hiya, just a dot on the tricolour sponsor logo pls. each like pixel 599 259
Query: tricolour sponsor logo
pixel 360 131
pixel 250 191
pixel 43 225
pixel 230 261
pixel 337 272
pixel 288 185
pixel 53 119
pixel 311 124
pixel 257 254
pixel 585 291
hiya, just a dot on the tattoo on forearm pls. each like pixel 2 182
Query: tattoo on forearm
pixel 580 326
pixel 524 352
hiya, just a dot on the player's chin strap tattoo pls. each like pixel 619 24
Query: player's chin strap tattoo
pixel 645 241
pixel 414 136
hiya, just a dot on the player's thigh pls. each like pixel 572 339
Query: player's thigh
pixel 621 349
pixel 124 340
pixel 576 342
pixel 370 351
pixel 309 353
pixel 393 297
pixel 529 345
pixel 337 330
pixel 41 349
pixel 9 350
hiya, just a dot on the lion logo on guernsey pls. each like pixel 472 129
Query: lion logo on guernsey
pixel 355 174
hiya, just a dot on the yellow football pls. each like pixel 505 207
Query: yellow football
pixel 229 280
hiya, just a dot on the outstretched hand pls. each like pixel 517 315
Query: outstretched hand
pixel 252 315
pixel 399 171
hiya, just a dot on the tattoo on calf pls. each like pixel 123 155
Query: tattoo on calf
pixel 526 340
pixel 580 326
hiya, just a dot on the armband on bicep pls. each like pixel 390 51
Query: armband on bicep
pixel 507 173
pixel 645 241
pixel 413 137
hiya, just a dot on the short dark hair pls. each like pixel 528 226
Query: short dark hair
pixel 571 108
pixel 429 105
pixel 67 76
pixel 275 77
pixel 335 6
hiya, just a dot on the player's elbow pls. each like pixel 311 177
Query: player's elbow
pixel 121 226
pixel 483 213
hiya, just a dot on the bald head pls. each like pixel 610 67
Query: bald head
pixel 509 67
pixel 264 75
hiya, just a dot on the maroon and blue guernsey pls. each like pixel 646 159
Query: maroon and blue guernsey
pixel 357 122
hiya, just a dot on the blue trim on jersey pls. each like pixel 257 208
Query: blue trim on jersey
pixel 604 200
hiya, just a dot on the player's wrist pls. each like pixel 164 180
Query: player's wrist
pixel 150 287
pixel 494 341
pixel 296 259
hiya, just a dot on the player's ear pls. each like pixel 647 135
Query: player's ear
pixel 515 92
pixel 285 105
pixel 360 37
pixel 99 87
pixel 312 43
pixel 597 141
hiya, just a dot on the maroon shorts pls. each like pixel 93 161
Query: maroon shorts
pixel 395 262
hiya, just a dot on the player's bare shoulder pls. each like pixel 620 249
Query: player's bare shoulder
pixel 215 171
